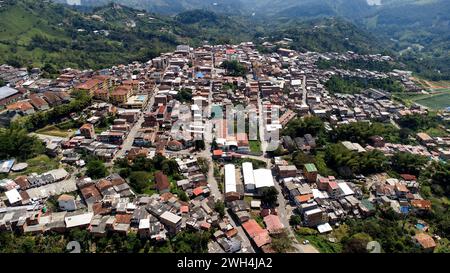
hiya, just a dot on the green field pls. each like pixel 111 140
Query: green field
pixel 38 164
pixel 439 101
pixel 52 130
pixel 255 146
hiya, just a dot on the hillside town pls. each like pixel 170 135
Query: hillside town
pixel 174 123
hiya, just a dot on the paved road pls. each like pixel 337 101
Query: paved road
pixel 128 142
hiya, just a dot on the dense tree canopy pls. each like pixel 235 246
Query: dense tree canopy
pixel 403 162
pixel 417 122
pixel 347 162
pixel 301 126
pixel 234 68
pixel 16 143
pixel 96 169
pixel 353 85
pixel 361 132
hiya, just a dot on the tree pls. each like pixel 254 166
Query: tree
pixel 96 169
pixel 301 126
pixel 191 242
pixel 234 68
pixel 269 196
pixel 281 242
pixel 15 142
pixel 295 220
pixel 184 95
pixel 404 162
pixel 2 83
pixel 220 208
pixel 140 180
pixel 357 243
pixel 199 144
pixel 214 145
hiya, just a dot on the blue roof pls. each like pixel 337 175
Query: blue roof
pixel 199 75
pixel 404 209
pixel 5 166
pixel 7 91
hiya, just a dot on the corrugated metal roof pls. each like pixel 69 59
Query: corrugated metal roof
pixel 7 91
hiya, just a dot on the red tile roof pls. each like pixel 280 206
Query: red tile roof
pixel 162 181
pixel 273 223
pixel 259 235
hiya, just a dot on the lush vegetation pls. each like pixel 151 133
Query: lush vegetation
pixel 52 35
pixel 269 197
pixel 184 95
pixel 347 162
pixel 96 169
pixel 234 68
pixel 41 119
pixel 353 85
pixel 140 172
pixel 183 242
pixel 356 64
pixel 301 126
pixel 16 143
pixel 403 162
pixel 360 132
pixel 387 228
pixel 418 122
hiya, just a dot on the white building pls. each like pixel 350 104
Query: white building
pixel 249 180
pixel 230 178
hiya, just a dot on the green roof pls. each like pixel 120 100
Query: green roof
pixel 310 167
pixel 366 203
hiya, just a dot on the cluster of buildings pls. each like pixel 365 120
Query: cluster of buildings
pixel 165 106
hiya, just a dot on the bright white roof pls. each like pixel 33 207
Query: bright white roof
pixel 230 178
pixel 247 171
pixel 324 228
pixel 318 194
pixel 171 217
pixel 144 223
pixel 13 196
pixel 345 189
pixel 313 211
pixel 263 178
pixel 79 220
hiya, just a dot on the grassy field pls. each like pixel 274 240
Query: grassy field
pixel 321 243
pixel 255 146
pixel 39 164
pixel 52 130
pixel 439 101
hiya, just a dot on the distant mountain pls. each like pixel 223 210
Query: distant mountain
pixel 38 33
pixel 167 6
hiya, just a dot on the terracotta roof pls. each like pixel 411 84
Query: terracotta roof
pixel 65 197
pixel 304 198
pixel 259 235
pixel 123 218
pixel 162 181
pixel 421 204
pixel 37 101
pixel 166 196
pixel 425 240
pixel 22 181
pixel 89 84
pixel 104 184
pixel 90 191
pixel 273 223
pixel 408 177
pixel 184 209
pixel 20 105
pixel 197 191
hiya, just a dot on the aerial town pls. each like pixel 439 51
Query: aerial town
pixel 153 150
